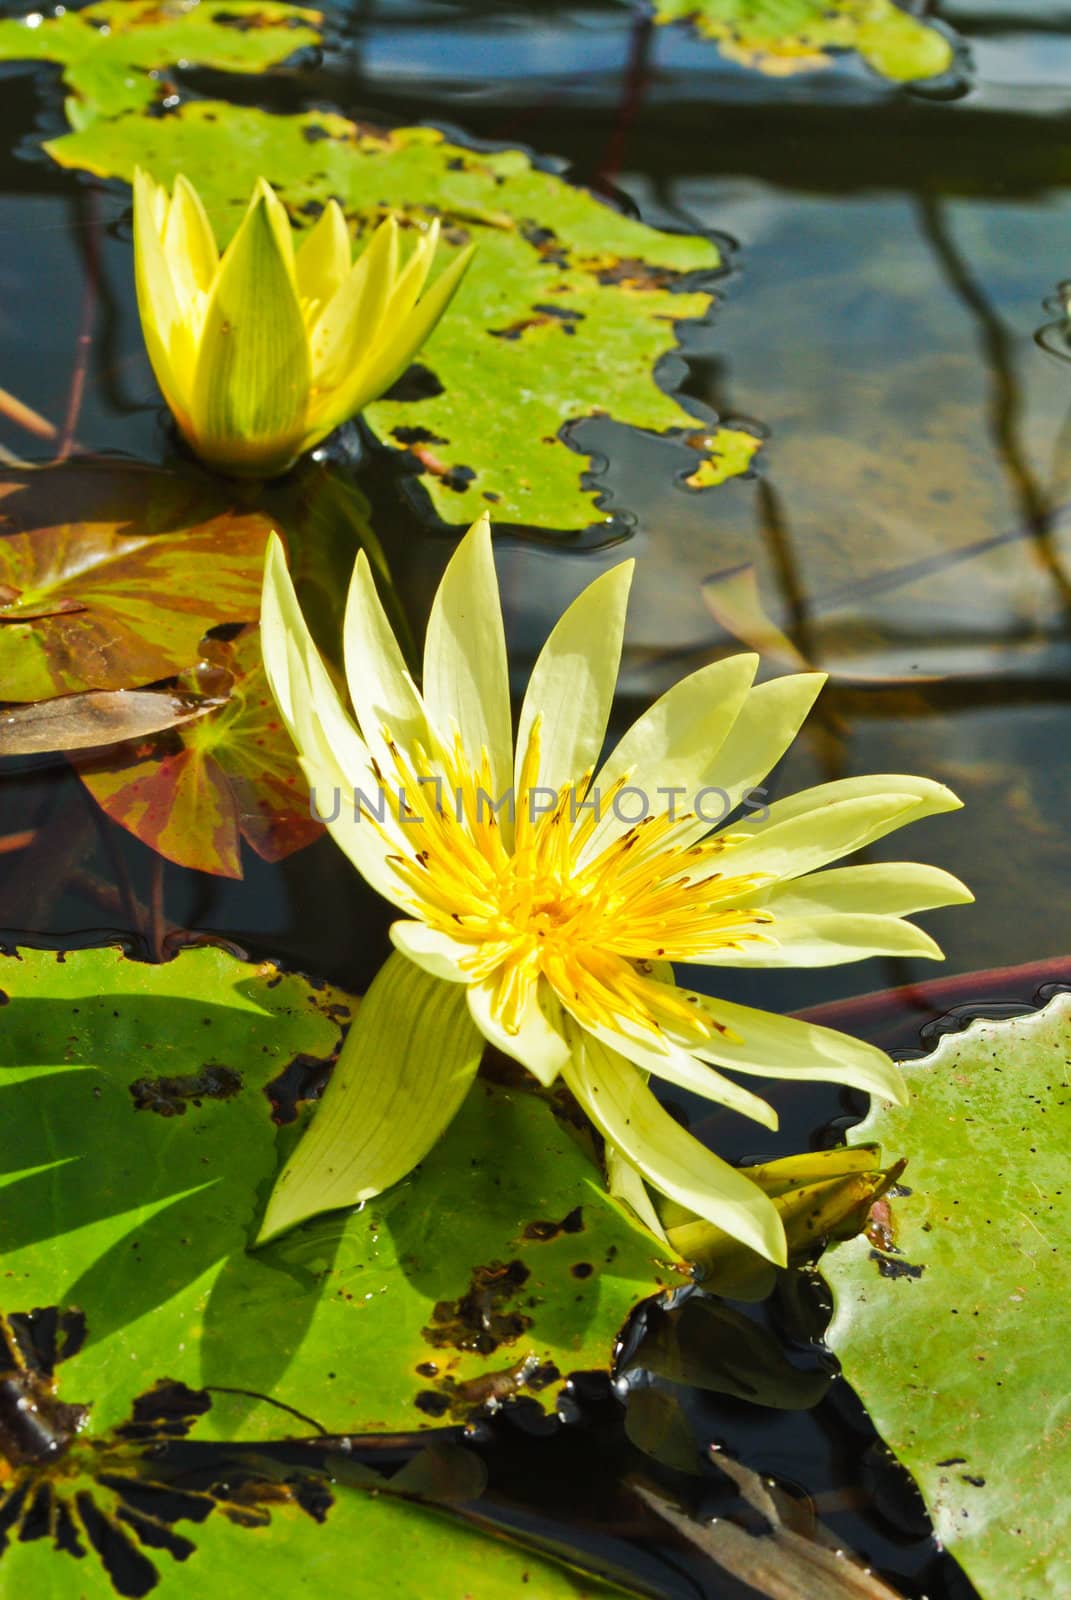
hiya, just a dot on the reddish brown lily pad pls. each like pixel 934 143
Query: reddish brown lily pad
pixel 91 607
pixel 195 792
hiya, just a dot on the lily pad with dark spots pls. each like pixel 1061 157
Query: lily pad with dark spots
pixel 139 1508
pixel 781 37
pixel 950 1318
pixel 138 1146
pixel 565 314
pixel 116 56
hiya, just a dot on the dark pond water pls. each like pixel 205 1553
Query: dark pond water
pixel 910 526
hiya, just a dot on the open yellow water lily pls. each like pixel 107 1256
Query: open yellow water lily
pixel 545 895
pixel 260 353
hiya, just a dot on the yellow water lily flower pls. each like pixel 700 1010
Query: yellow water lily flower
pixel 547 926
pixel 260 353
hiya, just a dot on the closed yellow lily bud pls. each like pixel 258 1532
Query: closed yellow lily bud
pixel 262 351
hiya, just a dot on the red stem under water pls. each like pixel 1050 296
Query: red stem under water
pixel 83 344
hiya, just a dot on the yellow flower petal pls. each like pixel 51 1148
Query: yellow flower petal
pixel 374 371
pixel 265 195
pixel 930 798
pixel 334 758
pixel 571 690
pixel 826 940
pixel 466 677
pixel 252 380
pixel 157 300
pixel 537 1041
pixel 190 246
pixel 795 840
pixel 349 322
pixel 333 787
pixel 405 1067
pixel 678 1065
pixel 769 720
pixel 323 261
pixel 770 1046
pixel 283 628
pixel 626 1183
pixel 383 692
pixel 885 888
pixel 280 617
pixel 674 745
pixel 431 950
pixel 617 1100
pixel 407 286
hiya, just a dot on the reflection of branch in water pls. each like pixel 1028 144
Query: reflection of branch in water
pixel 86 235
pixel 941 697
pixel 635 80
pixel 913 571
pixel 1060 467
pixel 114 382
pixel 773 525
pixel 17 411
pixel 1005 401
pixel 989 22
pixel 827 728
pixel 775 1545
pixel 858 589
pixel 872 700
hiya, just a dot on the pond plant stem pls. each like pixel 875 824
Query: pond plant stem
pixel 635 79
pixel 134 913
pixel 157 918
pixel 87 234
pixel 777 537
pixel 826 725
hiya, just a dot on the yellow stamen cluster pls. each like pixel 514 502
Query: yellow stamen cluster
pixel 537 909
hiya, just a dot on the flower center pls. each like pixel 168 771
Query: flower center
pixel 532 908
pixel 589 925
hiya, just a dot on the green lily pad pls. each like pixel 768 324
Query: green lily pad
pixel 725 453
pixel 140 1510
pixel 137 1147
pixel 115 56
pixel 102 605
pixel 567 309
pixel 950 1318
pixel 785 36
pixel 402 1550
pixel 195 791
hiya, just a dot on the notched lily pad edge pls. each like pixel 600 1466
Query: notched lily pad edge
pixel 887 1262
pixel 671 374
pixel 134 948
pixel 441 1395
